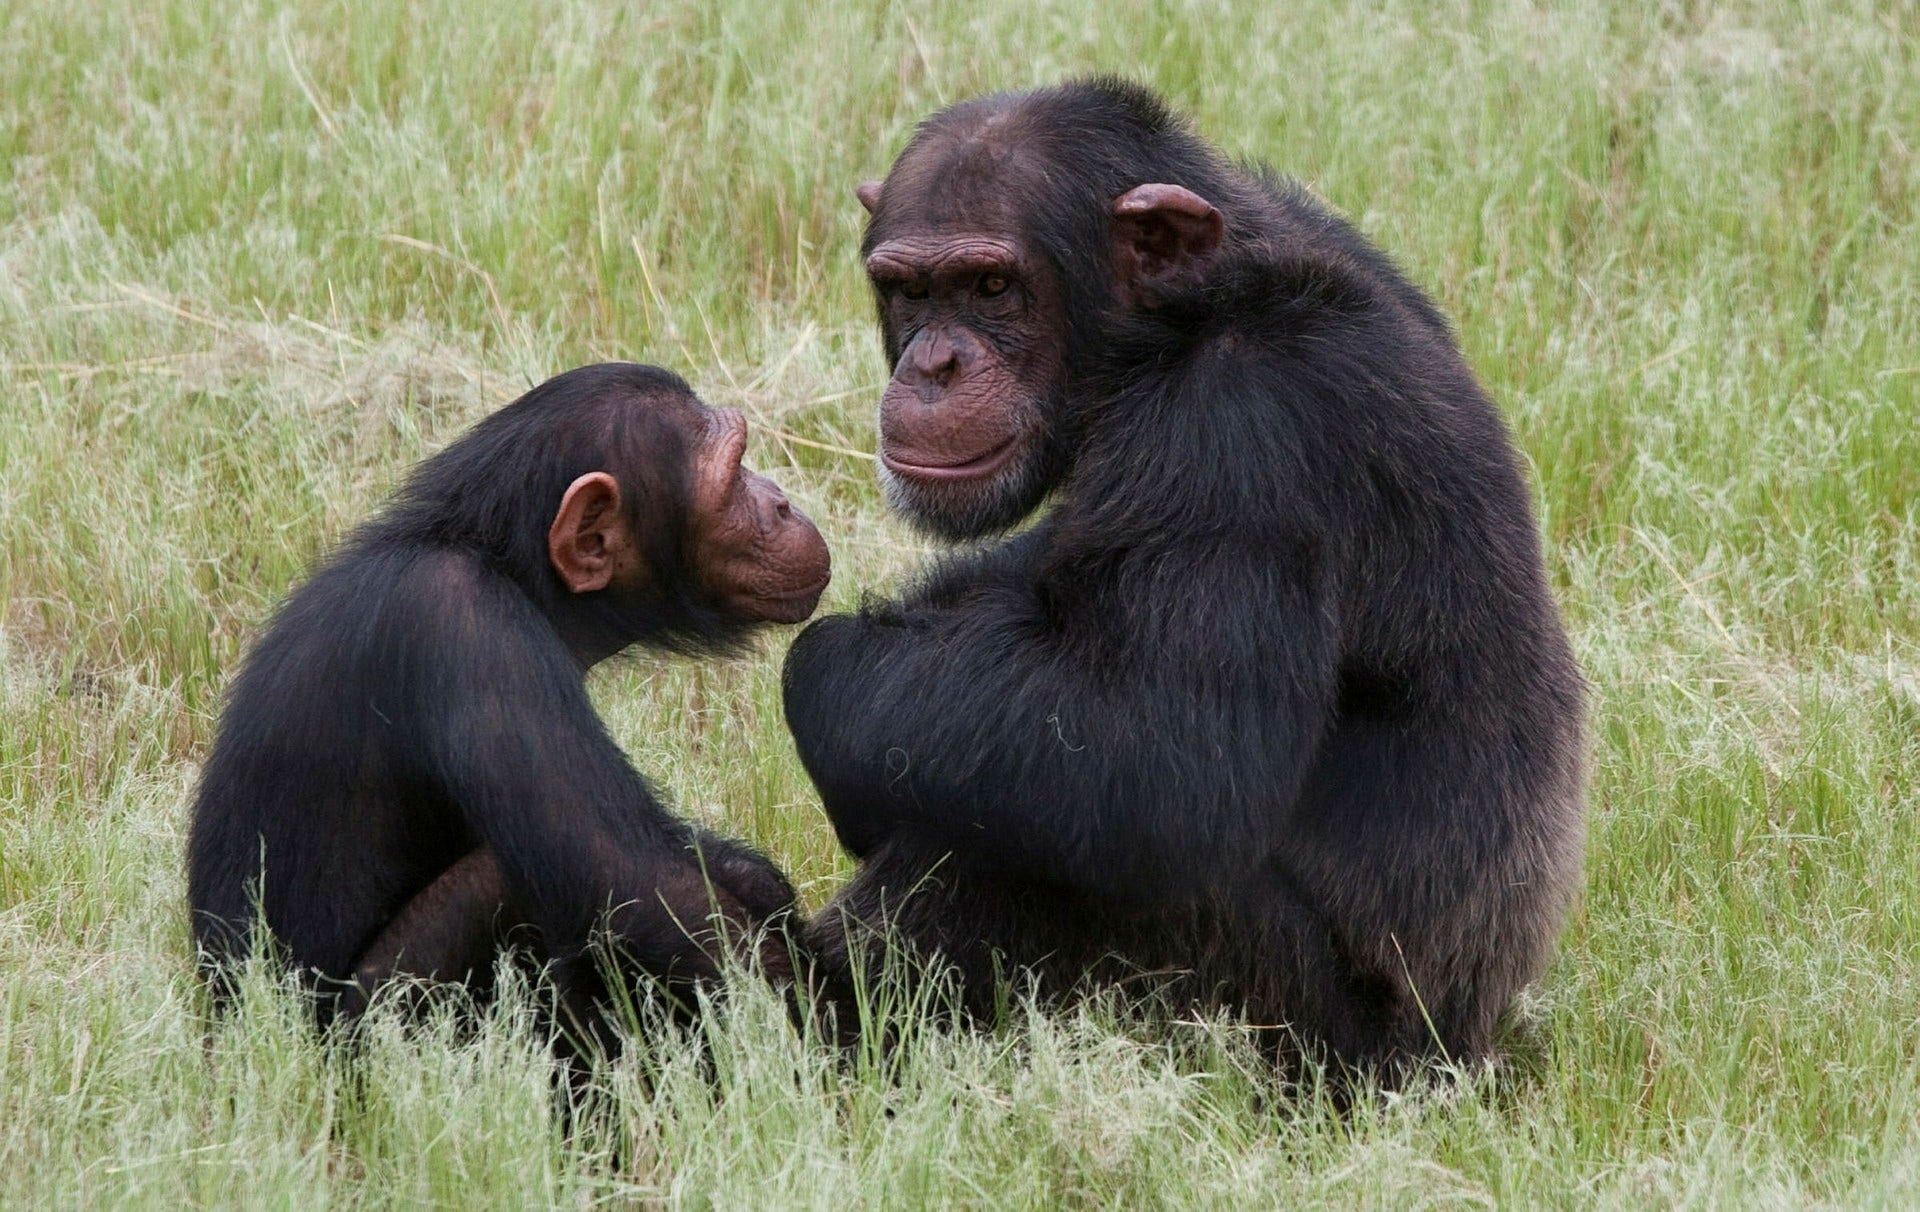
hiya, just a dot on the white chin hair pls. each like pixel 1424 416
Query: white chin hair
pixel 898 496
pixel 907 499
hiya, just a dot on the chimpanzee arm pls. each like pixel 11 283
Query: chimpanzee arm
pixel 454 928
pixel 1128 735
pixel 510 736
pixel 950 578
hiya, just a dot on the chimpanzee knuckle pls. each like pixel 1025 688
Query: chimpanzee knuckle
pixel 756 883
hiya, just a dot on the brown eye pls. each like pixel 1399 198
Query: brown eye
pixel 913 290
pixel 991 285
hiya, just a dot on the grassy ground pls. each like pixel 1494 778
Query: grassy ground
pixel 257 258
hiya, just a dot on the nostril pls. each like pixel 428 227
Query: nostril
pixel 782 508
pixel 934 357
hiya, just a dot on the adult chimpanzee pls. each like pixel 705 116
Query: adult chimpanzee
pixel 1275 696
pixel 409 762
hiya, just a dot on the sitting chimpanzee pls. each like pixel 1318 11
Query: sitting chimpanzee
pixel 409 765
pixel 1275 697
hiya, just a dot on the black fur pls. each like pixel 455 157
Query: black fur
pixel 423 695
pixel 1275 696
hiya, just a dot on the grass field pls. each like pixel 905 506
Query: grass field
pixel 256 259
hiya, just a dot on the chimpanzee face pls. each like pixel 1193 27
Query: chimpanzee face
pixel 975 320
pixel 974 325
pixel 757 554
pixel 751 552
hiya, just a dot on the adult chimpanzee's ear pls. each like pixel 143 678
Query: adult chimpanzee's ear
pixel 1160 229
pixel 869 194
pixel 588 543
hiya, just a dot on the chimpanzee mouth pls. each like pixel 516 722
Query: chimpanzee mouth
pixel 980 467
pixel 794 607
pixel 812 591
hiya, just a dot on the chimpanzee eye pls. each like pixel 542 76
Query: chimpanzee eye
pixel 991 285
pixel 913 290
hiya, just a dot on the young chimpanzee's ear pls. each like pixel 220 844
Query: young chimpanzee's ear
pixel 1159 230
pixel 589 542
pixel 869 194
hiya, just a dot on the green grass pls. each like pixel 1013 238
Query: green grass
pixel 256 259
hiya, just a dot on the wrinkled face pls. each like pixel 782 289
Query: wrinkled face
pixel 752 550
pixel 754 555
pixel 973 323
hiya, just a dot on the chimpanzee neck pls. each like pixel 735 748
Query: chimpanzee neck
pixel 596 626
pixel 590 628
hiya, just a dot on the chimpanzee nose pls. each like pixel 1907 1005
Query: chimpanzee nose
pixel 774 507
pixel 933 359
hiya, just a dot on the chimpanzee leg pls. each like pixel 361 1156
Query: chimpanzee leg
pixel 451 930
pixel 1288 966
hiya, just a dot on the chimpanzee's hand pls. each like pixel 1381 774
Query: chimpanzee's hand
pixel 748 875
pixel 689 909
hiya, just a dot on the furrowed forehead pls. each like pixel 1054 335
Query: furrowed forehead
pixel 905 256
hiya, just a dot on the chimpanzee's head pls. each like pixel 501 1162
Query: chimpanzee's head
pixel 1008 229
pixel 617 500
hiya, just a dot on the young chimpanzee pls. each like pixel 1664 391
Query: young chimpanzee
pixel 1275 697
pixel 409 764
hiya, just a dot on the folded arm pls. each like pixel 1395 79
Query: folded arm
pixel 1132 733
